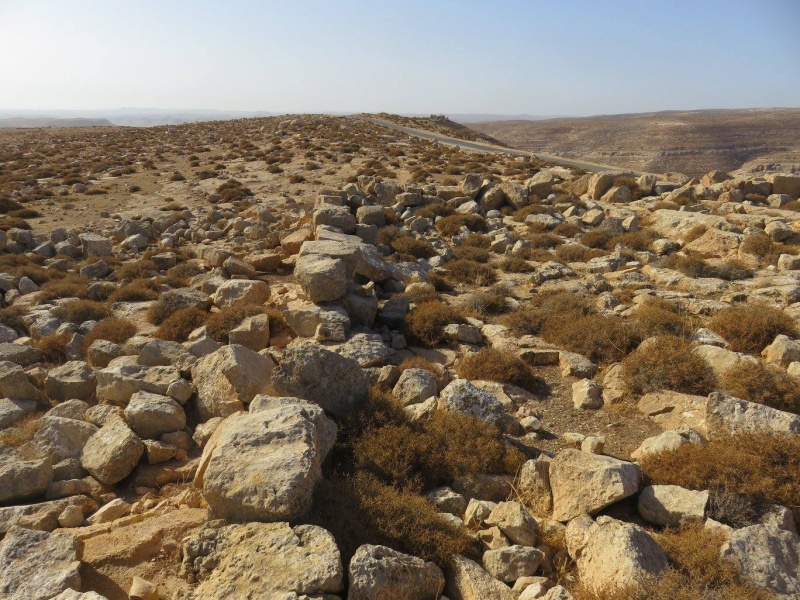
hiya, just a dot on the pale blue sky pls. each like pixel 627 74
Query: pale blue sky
pixel 564 57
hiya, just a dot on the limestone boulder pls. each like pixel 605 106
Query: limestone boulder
pixel 467 580
pixel 61 438
pixel 228 379
pixel 230 561
pixel 153 415
pixel 309 371
pixel 380 573
pixel 111 454
pixel 73 379
pixel 415 386
pixel 663 442
pixel 244 291
pixel 323 279
pixel 14 383
pixel 515 522
pixel 37 565
pixel 252 333
pixel 768 557
pixel 672 505
pixel 617 555
pixel 512 562
pixel 726 415
pixel 22 479
pixel 461 395
pixel 263 465
pixel 117 383
pixel 587 483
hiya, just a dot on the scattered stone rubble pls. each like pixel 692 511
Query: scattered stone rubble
pixel 250 423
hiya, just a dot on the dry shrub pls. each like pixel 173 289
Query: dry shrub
pixel 694 233
pixel 220 323
pixel 490 364
pixel 138 290
pixel 166 305
pixel 427 321
pixel 477 240
pixel 667 363
pixel 73 286
pixel 483 304
pixel 514 264
pixel 435 210
pixel 656 316
pixel 469 272
pixel 414 247
pixel 763 384
pixel 568 253
pixel 178 326
pixel 473 253
pixel 54 347
pixel 567 229
pixel 758 245
pixel 752 327
pixel 439 281
pixel 111 329
pixel 138 269
pixel 360 510
pixel 180 275
pixel 544 240
pixel 448 446
pixel 635 240
pixel 597 238
pixel 452 224
pixel 759 469
pixel 80 311
pixel 22 431
pixel 12 317
pixel 695 572
pixel 694 266
pixel 599 338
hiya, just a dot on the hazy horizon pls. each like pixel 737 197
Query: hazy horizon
pixel 512 58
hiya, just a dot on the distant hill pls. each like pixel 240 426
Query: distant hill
pixel 28 122
pixel 690 142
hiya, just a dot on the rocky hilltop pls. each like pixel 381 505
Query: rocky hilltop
pixel 309 358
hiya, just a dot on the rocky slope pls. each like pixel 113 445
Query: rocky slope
pixel 690 142
pixel 395 381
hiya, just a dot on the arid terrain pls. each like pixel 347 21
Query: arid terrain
pixel 690 142
pixel 310 357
